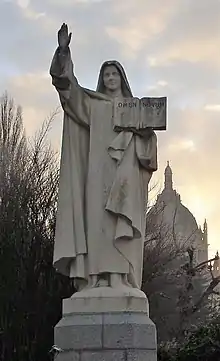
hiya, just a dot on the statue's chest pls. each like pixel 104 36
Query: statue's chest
pixel 102 120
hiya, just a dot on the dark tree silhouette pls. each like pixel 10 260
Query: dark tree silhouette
pixel 30 289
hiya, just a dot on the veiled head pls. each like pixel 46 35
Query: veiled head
pixel 112 76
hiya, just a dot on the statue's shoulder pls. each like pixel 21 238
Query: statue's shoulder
pixel 96 95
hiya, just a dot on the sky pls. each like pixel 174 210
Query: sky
pixel 168 48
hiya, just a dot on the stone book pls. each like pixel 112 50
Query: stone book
pixel 135 113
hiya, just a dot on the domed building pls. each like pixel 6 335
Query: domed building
pixel 170 219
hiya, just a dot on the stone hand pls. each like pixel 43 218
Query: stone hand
pixel 63 37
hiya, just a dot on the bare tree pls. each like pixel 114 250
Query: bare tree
pixel 30 290
pixel 187 304
pixel 163 276
pixel 161 246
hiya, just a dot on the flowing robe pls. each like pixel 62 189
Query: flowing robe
pixel 104 175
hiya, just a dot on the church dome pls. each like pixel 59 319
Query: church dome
pixel 171 218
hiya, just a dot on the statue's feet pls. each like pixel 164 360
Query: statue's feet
pixel 118 280
pixel 109 280
pixel 92 281
pixel 108 286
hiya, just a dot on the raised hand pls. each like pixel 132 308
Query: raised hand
pixel 63 37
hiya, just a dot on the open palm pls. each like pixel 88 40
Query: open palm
pixel 64 37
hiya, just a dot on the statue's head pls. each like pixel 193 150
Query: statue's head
pixel 112 77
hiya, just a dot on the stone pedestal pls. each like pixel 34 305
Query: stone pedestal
pixel 125 333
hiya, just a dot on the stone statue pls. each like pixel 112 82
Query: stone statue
pixel 104 178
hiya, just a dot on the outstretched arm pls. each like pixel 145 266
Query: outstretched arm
pixel 75 102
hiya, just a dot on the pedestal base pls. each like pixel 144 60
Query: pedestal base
pixel 106 299
pixel 123 336
pixel 106 324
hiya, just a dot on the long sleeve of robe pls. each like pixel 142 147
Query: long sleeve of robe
pixel 70 235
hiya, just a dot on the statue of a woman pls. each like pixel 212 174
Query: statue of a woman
pixel 104 178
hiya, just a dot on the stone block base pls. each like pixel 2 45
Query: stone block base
pixel 115 336
pixel 110 355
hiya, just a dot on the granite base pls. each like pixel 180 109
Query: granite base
pixel 114 336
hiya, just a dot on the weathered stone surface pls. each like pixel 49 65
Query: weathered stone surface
pixel 106 299
pixel 122 336
pixel 68 356
pixel 77 332
pixel 141 355
pixel 103 355
pixel 128 330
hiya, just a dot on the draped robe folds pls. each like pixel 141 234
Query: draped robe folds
pixel 104 176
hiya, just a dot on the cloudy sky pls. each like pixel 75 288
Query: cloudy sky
pixel 168 47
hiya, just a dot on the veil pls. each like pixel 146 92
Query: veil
pixel 126 90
